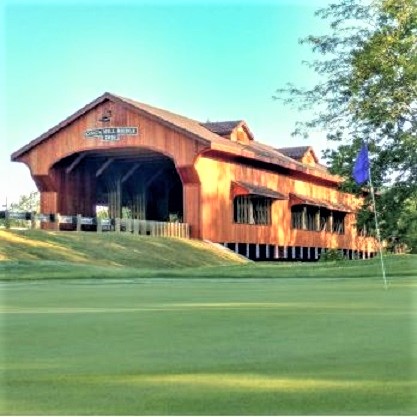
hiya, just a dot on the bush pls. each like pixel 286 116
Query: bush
pixel 332 255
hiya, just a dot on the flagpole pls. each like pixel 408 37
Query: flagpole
pixel 378 234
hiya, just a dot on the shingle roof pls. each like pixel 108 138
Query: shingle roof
pixel 222 128
pixel 194 129
pixel 300 199
pixel 294 152
pixel 260 190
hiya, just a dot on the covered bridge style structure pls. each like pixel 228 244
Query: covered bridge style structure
pixel 150 164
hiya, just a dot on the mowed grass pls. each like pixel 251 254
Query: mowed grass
pixel 209 347
pixel 120 325
pixel 36 254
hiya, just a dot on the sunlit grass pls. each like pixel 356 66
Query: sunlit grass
pixel 35 254
pixel 253 382
pixel 206 346
pixel 122 325
pixel 52 255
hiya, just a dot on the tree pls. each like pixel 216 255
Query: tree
pixel 368 91
pixel 29 202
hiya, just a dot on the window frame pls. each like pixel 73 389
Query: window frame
pixel 317 219
pixel 252 209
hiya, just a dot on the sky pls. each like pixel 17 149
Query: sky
pixel 207 60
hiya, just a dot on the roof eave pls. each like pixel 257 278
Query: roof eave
pixel 106 96
pixel 17 154
pixel 292 165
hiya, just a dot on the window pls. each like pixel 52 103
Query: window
pixel 312 214
pixel 305 217
pixel 339 222
pixel 325 222
pixel 252 209
pixel 297 217
pixel 362 231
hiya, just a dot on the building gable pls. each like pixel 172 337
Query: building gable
pixel 236 131
pixel 233 139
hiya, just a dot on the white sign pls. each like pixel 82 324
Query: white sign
pixel 110 133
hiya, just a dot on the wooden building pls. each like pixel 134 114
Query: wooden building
pixel 261 201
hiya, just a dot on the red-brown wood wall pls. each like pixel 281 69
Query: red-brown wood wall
pixel 217 209
pixel 207 201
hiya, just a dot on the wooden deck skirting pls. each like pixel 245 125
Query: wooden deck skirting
pixel 267 252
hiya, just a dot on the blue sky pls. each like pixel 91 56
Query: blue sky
pixel 207 60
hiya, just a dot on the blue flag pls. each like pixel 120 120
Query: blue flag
pixel 361 168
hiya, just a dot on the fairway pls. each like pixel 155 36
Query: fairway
pixel 209 346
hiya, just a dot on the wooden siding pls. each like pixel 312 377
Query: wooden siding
pixel 70 140
pixel 217 209
pixel 206 180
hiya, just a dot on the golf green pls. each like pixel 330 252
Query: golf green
pixel 209 346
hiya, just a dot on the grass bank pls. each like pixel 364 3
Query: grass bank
pixel 50 255
pixel 35 254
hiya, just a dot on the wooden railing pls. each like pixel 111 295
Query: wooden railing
pixel 79 223
pixel 147 227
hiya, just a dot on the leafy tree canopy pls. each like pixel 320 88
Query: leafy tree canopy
pixel 368 91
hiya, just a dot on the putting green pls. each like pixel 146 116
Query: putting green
pixel 202 346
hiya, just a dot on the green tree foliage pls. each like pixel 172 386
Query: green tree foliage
pixel 26 203
pixel 29 202
pixel 368 91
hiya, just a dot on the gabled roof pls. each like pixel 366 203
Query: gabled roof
pixel 227 127
pixel 298 152
pixel 222 128
pixel 180 123
pixel 294 152
pixel 195 130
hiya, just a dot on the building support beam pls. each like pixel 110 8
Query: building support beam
pixel 130 172
pixel 153 177
pixel 104 166
pixel 75 163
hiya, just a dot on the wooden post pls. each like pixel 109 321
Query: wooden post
pixel 135 226
pixel 33 220
pixel 117 224
pixel 99 225
pixel 304 218
pixel 129 225
pixel 57 221
pixel 317 220
pixel 79 222
pixel 331 222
